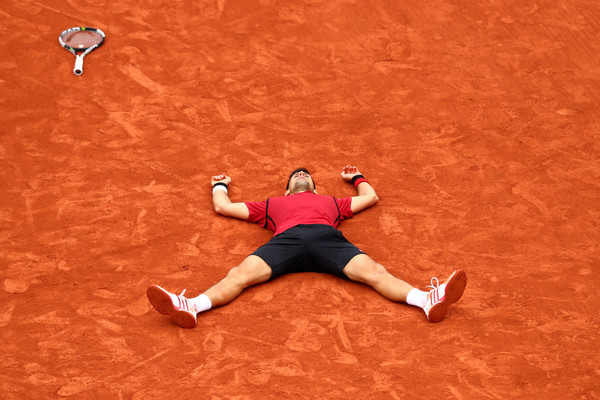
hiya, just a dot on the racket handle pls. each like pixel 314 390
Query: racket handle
pixel 78 70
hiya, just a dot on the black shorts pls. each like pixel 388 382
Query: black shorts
pixel 308 248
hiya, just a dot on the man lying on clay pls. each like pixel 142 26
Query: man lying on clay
pixel 305 240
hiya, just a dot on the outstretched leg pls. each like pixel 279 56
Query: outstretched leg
pixel 363 268
pixel 253 270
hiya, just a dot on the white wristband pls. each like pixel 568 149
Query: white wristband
pixel 220 187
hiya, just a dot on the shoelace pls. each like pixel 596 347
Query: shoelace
pixel 182 293
pixel 433 285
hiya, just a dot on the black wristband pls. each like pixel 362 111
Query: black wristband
pixel 219 184
pixel 357 177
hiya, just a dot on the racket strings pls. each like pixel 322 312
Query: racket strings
pixel 82 40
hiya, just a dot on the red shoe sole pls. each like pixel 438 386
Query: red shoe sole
pixel 161 301
pixel 455 287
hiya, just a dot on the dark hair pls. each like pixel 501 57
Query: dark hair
pixel 298 170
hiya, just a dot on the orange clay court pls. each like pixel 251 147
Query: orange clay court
pixel 477 125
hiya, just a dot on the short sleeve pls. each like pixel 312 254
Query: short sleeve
pixel 257 211
pixel 345 207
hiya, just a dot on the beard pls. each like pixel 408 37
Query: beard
pixel 301 186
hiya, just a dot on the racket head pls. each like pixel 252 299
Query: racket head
pixel 81 39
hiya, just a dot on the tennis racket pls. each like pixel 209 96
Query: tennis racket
pixel 81 40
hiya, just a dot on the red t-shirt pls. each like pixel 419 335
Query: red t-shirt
pixel 281 213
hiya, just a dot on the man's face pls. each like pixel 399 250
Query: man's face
pixel 301 181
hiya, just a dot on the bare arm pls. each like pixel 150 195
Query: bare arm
pixel 223 204
pixel 366 194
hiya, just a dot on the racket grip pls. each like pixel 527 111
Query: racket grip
pixel 78 70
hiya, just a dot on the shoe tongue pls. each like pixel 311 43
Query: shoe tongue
pixel 442 290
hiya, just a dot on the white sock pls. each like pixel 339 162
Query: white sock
pixel 417 298
pixel 201 303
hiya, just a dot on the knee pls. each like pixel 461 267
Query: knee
pixel 236 274
pixel 370 273
pixel 249 273
pixel 376 272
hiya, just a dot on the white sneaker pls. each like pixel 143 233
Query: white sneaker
pixel 181 309
pixel 441 296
